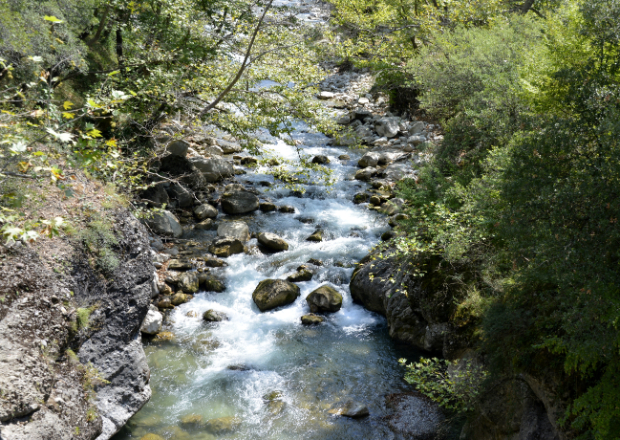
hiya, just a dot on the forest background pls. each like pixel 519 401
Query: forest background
pixel 516 210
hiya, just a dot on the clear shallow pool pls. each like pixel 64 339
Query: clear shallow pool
pixel 225 369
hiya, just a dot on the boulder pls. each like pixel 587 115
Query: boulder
pixel 205 211
pixel 388 127
pixel 370 159
pixel 225 247
pixel 317 236
pixel 179 265
pixel 270 294
pixel 249 160
pixel 267 207
pixel 324 299
pixel 320 159
pixel 165 223
pixel 180 298
pixel 394 206
pixel 191 421
pixel 396 219
pixel 272 241
pixel 222 425
pixel 344 157
pixel 366 174
pixel 152 321
pixel 214 316
pixel 416 140
pixel 239 202
pixel 299 276
pixel 209 283
pixel 188 282
pixel 236 229
pixel 416 128
pixel 214 169
pixel 228 147
pixel 375 200
pixel 360 198
pixel 178 148
pixel 205 225
pixel 311 319
pixel 211 261
pixel 286 209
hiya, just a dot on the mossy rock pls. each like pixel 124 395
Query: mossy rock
pixel 302 275
pixel 164 337
pixel 316 237
pixel 191 421
pixel 270 294
pixel 311 319
pixel 175 433
pixel 276 407
pixel 223 425
pixel 211 284
pixel 324 299
pixel 180 298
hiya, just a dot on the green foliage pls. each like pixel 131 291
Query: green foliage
pixel 454 386
pixel 99 240
pixel 522 197
pixel 83 316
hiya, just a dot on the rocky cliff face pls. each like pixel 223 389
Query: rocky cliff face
pixel 71 362
pixel 524 408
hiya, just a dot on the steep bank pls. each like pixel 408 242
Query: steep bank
pixel 71 362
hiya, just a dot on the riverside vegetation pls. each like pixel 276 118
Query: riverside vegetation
pixel 504 252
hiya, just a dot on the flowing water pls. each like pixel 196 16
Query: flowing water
pixel 229 369
pixel 225 369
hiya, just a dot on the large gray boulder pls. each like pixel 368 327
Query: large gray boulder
pixel 178 148
pixel 214 169
pixel 183 169
pixel 388 127
pixel 272 241
pixel 179 195
pixel 324 299
pixel 370 159
pixel 270 294
pixel 165 223
pixel 239 202
pixel 188 282
pixel 236 229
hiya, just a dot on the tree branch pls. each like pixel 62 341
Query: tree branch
pixel 244 65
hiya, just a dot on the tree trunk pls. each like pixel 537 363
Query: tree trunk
pixel 526 6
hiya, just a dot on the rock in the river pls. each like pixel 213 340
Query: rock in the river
pixel 324 299
pixel 267 207
pixel 365 174
pixel 211 261
pixel 214 316
pixel 239 202
pixel 344 157
pixel 165 223
pixel 316 236
pixel 299 276
pixel 226 246
pixel 236 229
pixel 320 159
pixel 286 209
pixel 180 298
pixel 414 417
pixel 214 169
pixel 223 425
pixel 188 282
pixel 152 321
pixel 369 159
pixel 205 211
pixel 272 241
pixel 210 284
pixel 191 421
pixel 388 127
pixel 205 225
pixel 311 319
pixel 270 294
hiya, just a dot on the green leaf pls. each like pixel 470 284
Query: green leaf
pixel 52 19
